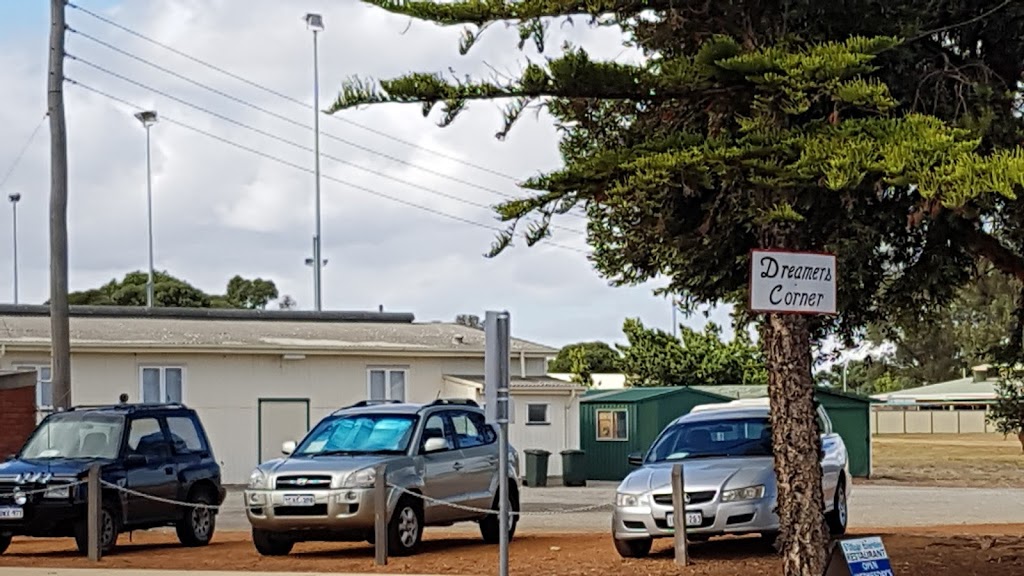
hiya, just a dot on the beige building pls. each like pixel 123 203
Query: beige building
pixel 258 378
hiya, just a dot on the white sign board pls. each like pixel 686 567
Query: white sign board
pixel 792 282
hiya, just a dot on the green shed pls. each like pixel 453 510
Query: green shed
pixel 850 415
pixel 615 423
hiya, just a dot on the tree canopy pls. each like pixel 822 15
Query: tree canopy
pixel 170 291
pixel 599 357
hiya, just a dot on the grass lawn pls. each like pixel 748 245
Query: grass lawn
pixel 979 460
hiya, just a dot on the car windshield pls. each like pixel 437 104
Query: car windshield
pixel 359 434
pixel 714 439
pixel 75 435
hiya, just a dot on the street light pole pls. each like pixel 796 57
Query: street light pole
pixel 15 198
pixel 315 22
pixel 148 118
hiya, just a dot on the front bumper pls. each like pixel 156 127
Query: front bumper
pixel 47 519
pixel 746 517
pixel 335 510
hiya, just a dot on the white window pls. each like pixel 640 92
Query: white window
pixel 386 383
pixel 537 414
pixel 161 384
pixel 44 384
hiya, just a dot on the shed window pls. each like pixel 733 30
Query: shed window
pixel 386 383
pixel 162 384
pixel 537 414
pixel 612 425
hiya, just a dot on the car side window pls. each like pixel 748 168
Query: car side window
pixel 471 429
pixel 434 428
pixel 823 425
pixel 184 435
pixel 146 438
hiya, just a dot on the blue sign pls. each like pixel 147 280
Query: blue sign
pixel 866 557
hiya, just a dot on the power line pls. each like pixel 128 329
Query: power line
pixel 21 153
pixel 292 142
pixel 299 167
pixel 281 95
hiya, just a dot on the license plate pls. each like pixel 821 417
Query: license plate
pixel 692 519
pixel 11 513
pixel 299 500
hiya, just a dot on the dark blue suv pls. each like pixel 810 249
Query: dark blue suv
pixel 153 450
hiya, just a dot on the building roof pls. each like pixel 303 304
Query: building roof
pixel 538 383
pixel 247 331
pixel 603 381
pixel 629 395
pixel 960 390
pixel 742 392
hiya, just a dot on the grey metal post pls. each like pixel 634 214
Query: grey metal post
pixel 497 334
pixel 380 516
pixel 15 198
pixel 149 217
pixel 679 515
pixel 318 260
pixel 93 503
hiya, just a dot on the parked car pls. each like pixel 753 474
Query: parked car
pixel 322 490
pixel 728 474
pixel 158 450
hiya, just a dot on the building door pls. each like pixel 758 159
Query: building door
pixel 281 420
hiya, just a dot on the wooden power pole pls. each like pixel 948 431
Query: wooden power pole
pixel 60 330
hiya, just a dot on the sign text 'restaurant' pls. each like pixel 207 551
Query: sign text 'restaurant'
pixel 793 282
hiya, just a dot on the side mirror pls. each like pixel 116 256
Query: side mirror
pixel 636 459
pixel 288 448
pixel 435 445
pixel 136 461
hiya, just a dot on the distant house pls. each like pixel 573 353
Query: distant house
pixel 976 392
pixel 258 378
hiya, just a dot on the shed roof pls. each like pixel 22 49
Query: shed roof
pixel 742 392
pixel 257 331
pixel 628 395
pixel 538 383
pixel 959 390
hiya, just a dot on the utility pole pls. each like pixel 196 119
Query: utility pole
pixel 15 198
pixel 315 23
pixel 148 118
pixel 60 331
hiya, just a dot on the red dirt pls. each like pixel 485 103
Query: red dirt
pixel 932 551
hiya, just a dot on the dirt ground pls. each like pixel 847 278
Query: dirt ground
pixel 969 460
pixel 936 551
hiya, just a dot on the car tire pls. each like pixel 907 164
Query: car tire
pixel 405 528
pixel 270 544
pixel 633 548
pixel 5 543
pixel 838 518
pixel 110 529
pixel 490 525
pixel 197 525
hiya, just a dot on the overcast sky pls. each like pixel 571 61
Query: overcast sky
pixel 220 210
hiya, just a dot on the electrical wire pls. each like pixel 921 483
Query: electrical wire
pixel 21 153
pixel 303 147
pixel 299 167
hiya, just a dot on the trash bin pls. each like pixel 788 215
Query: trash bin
pixel 536 467
pixel 574 471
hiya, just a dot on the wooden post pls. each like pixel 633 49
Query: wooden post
pixel 93 505
pixel 380 515
pixel 679 515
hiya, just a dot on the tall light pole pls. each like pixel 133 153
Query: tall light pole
pixel 15 198
pixel 148 118
pixel 315 22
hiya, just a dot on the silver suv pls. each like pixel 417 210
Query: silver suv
pixel 322 490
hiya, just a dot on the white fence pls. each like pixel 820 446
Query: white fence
pixel 914 421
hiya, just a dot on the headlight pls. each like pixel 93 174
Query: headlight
pixel 748 493
pixel 630 500
pixel 364 478
pixel 58 493
pixel 257 480
pixel 20 498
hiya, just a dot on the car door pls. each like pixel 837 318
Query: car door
pixel 188 451
pixel 440 470
pixel 832 457
pixel 479 447
pixel 150 471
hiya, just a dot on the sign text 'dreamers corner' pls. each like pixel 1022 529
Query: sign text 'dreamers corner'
pixel 792 282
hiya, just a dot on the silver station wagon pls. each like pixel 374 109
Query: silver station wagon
pixel 728 477
pixel 323 489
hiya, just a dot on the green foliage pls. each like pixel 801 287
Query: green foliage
pixel 170 291
pixel 580 367
pixel 656 358
pixel 1007 415
pixel 252 294
pixel 598 358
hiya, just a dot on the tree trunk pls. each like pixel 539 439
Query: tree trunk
pixel 797 444
pixel 1020 438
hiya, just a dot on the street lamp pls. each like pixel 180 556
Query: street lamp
pixel 15 198
pixel 148 118
pixel 315 22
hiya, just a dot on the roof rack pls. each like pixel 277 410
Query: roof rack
pixel 128 407
pixel 454 402
pixel 365 403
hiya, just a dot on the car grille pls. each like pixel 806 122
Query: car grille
pixel 303 483
pixel 315 510
pixel 695 498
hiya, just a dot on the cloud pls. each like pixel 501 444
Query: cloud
pixel 220 210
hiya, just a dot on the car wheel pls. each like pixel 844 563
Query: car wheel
pixel 5 543
pixel 638 548
pixel 110 529
pixel 270 544
pixel 490 525
pixel 839 516
pixel 405 529
pixel 197 525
